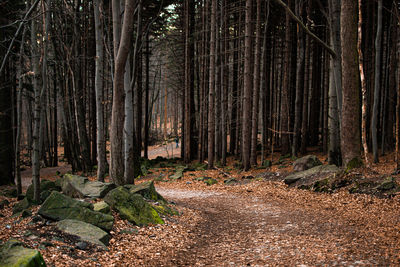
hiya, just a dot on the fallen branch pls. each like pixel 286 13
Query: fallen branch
pixel 218 169
pixel 280 132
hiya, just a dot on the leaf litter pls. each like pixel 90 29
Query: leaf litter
pixel 254 222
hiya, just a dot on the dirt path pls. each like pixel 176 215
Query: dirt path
pixel 249 231
pixel 167 151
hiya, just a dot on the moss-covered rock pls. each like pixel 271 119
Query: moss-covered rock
pixel 379 186
pixel 230 181
pixel 354 163
pixel 60 207
pixel 102 207
pixel 13 254
pixel 4 203
pixel 210 181
pixel 308 177
pixel 201 178
pixel 165 209
pixel 45 185
pixel 8 191
pixel 267 163
pixel 321 185
pixel 388 184
pixel 198 166
pixel 21 205
pixel 79 186
pixel 306 162
pixel 145 189
pixel 85 231
pixel 26 213
pixel 132 207
pixel 178 173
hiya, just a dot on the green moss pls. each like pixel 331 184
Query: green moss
pixel 211 181
pixel 45 185
pixel 21 205
pixel 13 254
pixel 146 189
pixel 321 185
pixel 165 209
pixel 267 163
pixel 230 181
pixel 132 207
pixel 388 184
pixel 354 163
pixel 59 207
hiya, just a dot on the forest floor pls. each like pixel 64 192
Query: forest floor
pixel 255 222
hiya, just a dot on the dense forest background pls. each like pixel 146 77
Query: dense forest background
pixel 244 78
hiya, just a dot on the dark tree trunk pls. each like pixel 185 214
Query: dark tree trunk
pixel 350 128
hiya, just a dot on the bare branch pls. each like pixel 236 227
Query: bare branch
pixel 290 12
pixel 16 34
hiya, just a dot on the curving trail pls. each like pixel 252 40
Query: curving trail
pixel 249 231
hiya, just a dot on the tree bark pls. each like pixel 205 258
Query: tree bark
pixel 101 138
pixel 117 115
pixel 285 107
pixel 256 88
pixel 299 87
pixel 363 85
pixel 377 82
pixel 246 122
pixel 350 128
pixel 211 92
pixel 189 82
pixel 146 101
pixel 36 117
pixel 304 122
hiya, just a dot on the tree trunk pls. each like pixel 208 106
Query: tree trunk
pixel 350 128
pixel 146 101
pixel 246 122
pixel 117 115
pixel 234 102
pixel 304 122
pixel 211 122
pixel 377 81
pixel 256 88
pixel 189 83
pixel 225 79
pixel 334 14
pixel 363 85
pixel 299 87
pixel 19 110
pixel 36 116
pixel 285 107
pixel 101 135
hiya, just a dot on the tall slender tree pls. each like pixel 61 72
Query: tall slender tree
pixel 211 90
pixel 117 117
pixel 350 128
pixel 247 93
pixel 377 83
pixel 99 76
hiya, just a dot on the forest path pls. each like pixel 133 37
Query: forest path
pixel 240 230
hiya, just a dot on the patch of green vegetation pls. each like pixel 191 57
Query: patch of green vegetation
pixel 199 166
pixel 238 165
pixel 267 163
pixel 210 181
pixel 230 181
pixel 354 163
pixel 321 185
pixel 283 157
